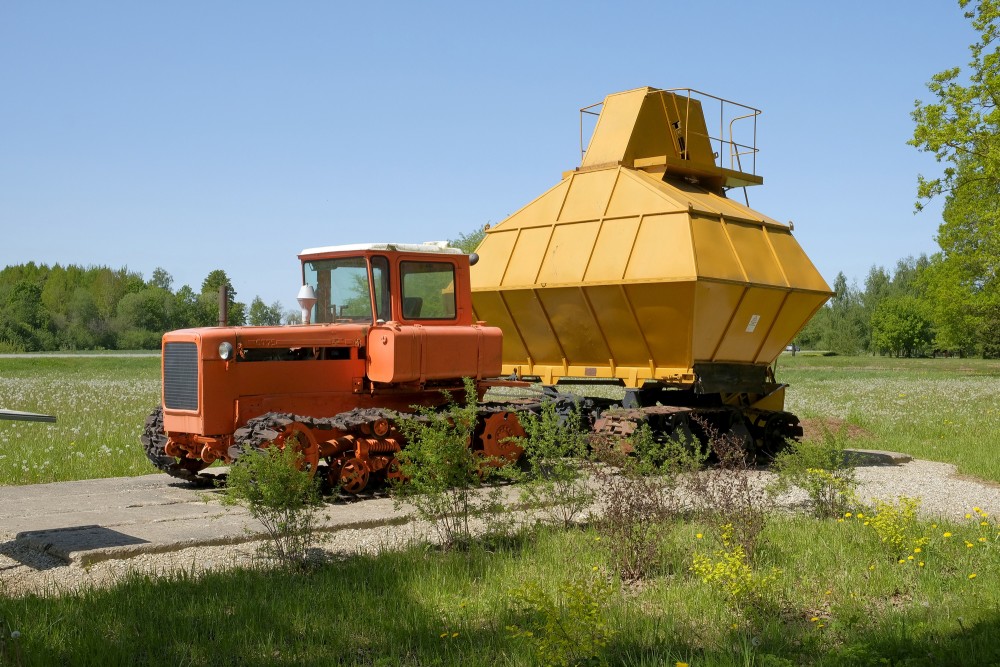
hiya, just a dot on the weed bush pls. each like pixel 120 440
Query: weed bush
pixel 897 527
pixel 753 594
pixel 729 493
pixel 555 447
pixel 823 470
pixel 568 628
pixel 639 493
pixel 444 476
pixel 284 498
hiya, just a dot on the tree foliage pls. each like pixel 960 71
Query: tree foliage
pixel 77 308
pixel 960 126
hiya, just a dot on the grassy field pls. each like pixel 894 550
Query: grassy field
pixel 838 595
pixel 935 409
pixel 100 404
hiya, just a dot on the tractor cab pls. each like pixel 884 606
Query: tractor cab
pixel 382 282
pixel 416 299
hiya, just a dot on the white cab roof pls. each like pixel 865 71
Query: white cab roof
pixel 434 247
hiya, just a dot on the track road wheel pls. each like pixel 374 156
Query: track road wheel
pixel 354 476
pixel 154 442
pixel 303 441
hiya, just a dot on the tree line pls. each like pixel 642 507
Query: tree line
pixel 86 308
pixel 908 312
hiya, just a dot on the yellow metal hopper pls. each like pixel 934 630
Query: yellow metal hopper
pixel 637 266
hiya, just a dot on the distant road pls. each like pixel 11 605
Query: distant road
pixel 92 355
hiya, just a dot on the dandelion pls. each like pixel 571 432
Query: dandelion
pixel 982 539
pixel 594 569
pixel 920 564
pixel 454 634
pixel 968 516
pixel 443 635
pixel 681 664
pixel 699 536
pixel 976 510
pixel 968 544
pixel 847 515
pixel 947 535
pixel 972 576
pixel 917 550
pixel 814 619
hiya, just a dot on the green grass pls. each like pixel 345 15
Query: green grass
pixel 422 607
pixel 100 404
pixel 936 409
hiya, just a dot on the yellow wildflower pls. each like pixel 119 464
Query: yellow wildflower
pixel 972 576
pixel 947 535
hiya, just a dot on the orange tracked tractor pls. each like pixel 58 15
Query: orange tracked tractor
pixel 635 270
pixel 386 327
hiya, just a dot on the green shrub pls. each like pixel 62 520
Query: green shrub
pixel 823 470
pixel 569 627
pixel 443 475
pixel 555 448
pixel 284 498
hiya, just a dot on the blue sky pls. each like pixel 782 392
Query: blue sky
pixel 204 135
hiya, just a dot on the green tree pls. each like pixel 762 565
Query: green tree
pixel 262 314
pixel 208 311
pixel 960 126
pixel 468 243
pixel 900 328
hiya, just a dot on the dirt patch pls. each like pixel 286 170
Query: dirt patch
pixel 813 429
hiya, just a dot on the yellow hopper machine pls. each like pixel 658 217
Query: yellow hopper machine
pixel 638 269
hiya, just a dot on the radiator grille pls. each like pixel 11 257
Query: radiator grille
pixel 180 376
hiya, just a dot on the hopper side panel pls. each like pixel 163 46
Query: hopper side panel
pixel 755 254
pixel 612 249
pixel 662 249
pixel 801 272
pixel 665 313
pixel 715 304
pixel 532 322
pixel 715 255
pixel 566 256
pixel 754 318
pixel 494 255
pixel 588 195
pixel 798 309
pixel 526 257
pixel 489 307
pixel 579 335
pixel 618 324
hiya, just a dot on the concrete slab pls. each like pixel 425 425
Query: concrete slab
pixel 876 457
pixel 88 521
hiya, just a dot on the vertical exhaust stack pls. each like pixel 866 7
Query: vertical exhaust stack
pixel 637 266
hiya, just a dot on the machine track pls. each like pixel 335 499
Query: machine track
pixel 154 440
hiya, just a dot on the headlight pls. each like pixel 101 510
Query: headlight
pixel 226 351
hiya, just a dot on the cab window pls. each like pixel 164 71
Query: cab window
pixel 342 290
pixel 428 290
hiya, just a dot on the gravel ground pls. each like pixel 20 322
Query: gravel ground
pixel 24 571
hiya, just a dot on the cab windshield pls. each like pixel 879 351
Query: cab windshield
pixel 343 289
